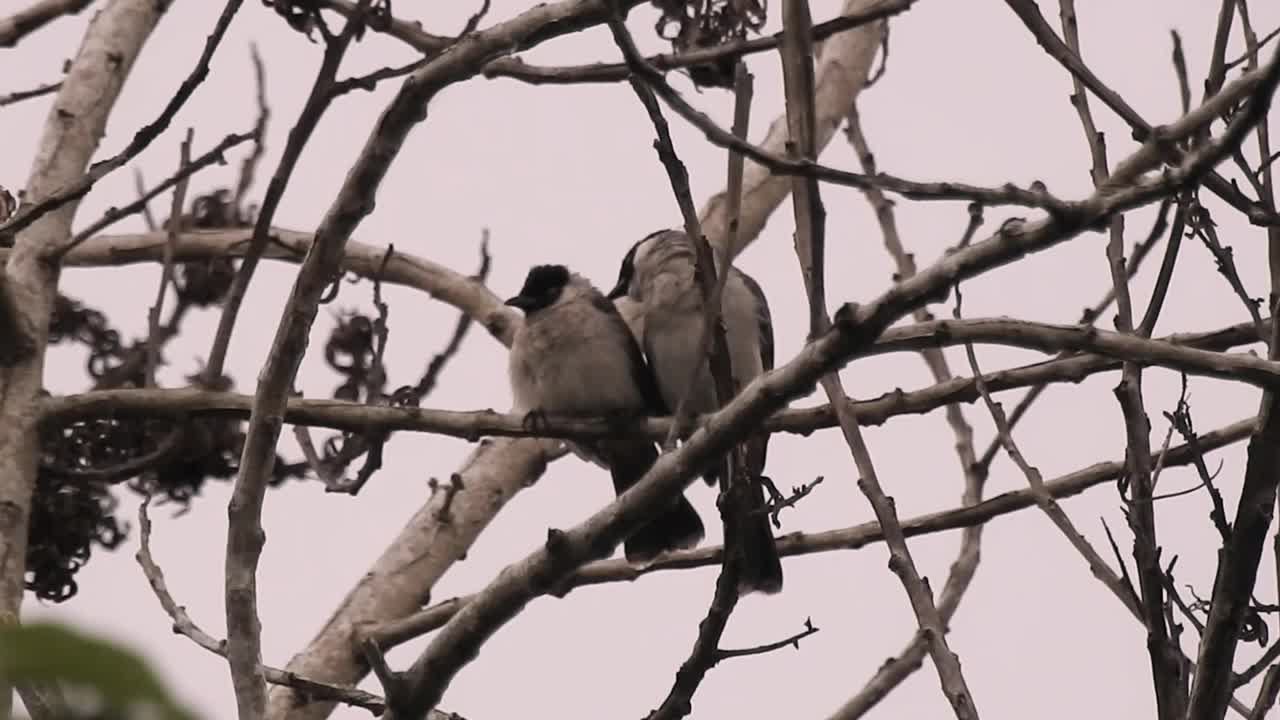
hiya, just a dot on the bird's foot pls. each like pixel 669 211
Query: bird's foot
pixel 535 422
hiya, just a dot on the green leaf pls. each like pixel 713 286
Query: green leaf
pixel 48 652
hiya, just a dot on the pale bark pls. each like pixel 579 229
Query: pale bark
pixel 462 291
pixel 842 67
pixel 76 123
pixel 399 582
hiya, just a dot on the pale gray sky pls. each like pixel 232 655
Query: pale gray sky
pixel 567 174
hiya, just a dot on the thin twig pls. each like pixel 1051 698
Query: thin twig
pixel 35 16
pixel 249 167
pixel 166 266
pixel 1029 13
pixel 704 654
pixel 516 69
pixel 184 625
pixel 140 185
pixel 113 215
pixel 1044 500
pixel 1267 694
pixel 245 536
pixel 1180 71
pixel 810 217
pixel 793 641
pixel 20 95
pixel 143 138
pixel 897 669
pixel 1165 667
pixel 313 109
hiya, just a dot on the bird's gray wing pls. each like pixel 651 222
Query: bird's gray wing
pixel 641 373
pixel 764 319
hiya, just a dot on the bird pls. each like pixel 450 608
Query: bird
pixel 575 356
pixel 658 295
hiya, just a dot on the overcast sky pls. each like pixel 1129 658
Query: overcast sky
pixel 567 174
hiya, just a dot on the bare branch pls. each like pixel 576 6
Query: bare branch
pixel 1008 194
pixel 166 265
pixel 249 167
pixel 184 625
pixel 20 95
pixel 34 17
pixel 395 632
pixel 318 101
pixel 1166 667
pixel 178 179
pixel 245 536
pixel 357 417
pixel 1043 499
pixel 897 669
pixel 841 73
pixel 69 140
pixel 517 69
pixel 466 293
pixel 140 186
pixel 1165 147
pixel 1267 694
pixel 77 188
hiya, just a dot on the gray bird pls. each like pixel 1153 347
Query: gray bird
pixel 573 356
pixel 659 297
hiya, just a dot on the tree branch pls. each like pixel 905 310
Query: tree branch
pixel 470 425
pixel 854 329
pixel 517 69
pixel 395 632
pixel 76 188
pixel 71 133
pixel 35 16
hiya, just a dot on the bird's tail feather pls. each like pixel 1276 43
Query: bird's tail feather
pixel 761 568
pixel 675 528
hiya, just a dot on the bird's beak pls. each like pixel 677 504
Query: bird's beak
pixel 618 290
pixel 519 301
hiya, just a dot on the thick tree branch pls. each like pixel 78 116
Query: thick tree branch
pixel 76 122
pixel 463 292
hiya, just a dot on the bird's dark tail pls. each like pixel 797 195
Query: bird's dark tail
pixel 761 568
pixel 675 528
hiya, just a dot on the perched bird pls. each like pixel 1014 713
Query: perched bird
pixel 659 296
pixel 574 355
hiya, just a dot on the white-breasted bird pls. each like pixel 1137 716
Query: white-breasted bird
pixel 574 355
pixel 659 297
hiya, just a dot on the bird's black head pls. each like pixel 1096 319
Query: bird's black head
pixel 628 269
pixel 542 287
